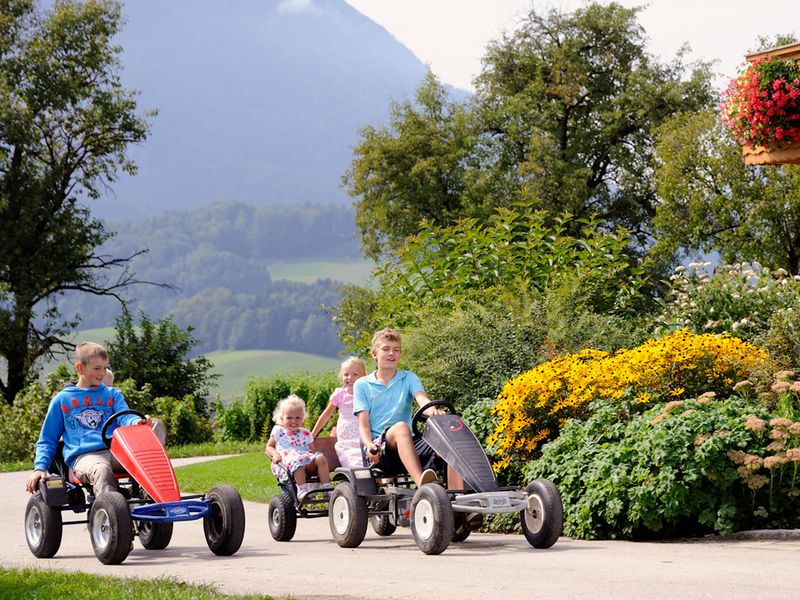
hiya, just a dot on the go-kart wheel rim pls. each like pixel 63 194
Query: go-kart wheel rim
pixel 424 519
pixel 341 515
pixel 34 527
pixel 275 518
pixel 101 528
pixel 534 514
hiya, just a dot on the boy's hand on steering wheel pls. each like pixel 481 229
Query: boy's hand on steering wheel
pixel 374 453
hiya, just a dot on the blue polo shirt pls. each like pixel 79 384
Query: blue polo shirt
pixel 386 404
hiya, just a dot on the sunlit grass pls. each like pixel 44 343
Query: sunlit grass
pixel 248 473
pixel 33 584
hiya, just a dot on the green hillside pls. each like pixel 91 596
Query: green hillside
pixel 234 367
pixel 237 366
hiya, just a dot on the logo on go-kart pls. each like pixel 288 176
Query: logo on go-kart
pixel 458 425
pixel 177 511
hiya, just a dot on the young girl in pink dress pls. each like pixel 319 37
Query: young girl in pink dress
pixel 348 447
pixel 289 445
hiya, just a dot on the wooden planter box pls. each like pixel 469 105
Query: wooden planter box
pixel 786 154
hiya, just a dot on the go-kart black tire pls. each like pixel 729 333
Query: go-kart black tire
pixel 43 527
pixel 347 515
pixel 382 525
pixel 110 528
pixel 154 535
pixel 542 525
pixel 282 517
pixel 224 524
pixel 461 528
pixel 431 519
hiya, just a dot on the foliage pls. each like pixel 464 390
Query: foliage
pixel 65 125
pixel 514 252
pixel 21 422
pixel 251 418
pixel 761 105
pixel 415 168
pixel 563 117
pixel 678 468
pixel 744 300
pixel 468 354
pixel 782 337
pixel 157 354
pixel 39 583
pixel 184 424
pixel 711 202
pixel 535 406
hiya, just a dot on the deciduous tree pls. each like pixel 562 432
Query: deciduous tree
pixel 65 125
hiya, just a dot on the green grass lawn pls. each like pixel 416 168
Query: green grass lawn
pixel 355 271
pixel 248 473
pixel 51 584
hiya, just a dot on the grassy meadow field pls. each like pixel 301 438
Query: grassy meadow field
pixel 355 271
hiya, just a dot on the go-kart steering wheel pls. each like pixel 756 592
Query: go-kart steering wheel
pixel 112 418
pixel 421 417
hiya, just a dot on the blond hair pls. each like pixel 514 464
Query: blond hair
pixel 353 360
pixel 86 351
pixel 388 334
pixel 287 403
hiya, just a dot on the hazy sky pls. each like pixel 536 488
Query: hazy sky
pixel 450 35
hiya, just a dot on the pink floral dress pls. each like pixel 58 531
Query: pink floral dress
pixel 348 445
pixel 294 449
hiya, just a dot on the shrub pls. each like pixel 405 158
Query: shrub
pixel 740 299
pixel 468 354
pixel 251 418
pixel 184 425
pixel 677 468
pixel 782 337
pixel 533 407
pixel 21 422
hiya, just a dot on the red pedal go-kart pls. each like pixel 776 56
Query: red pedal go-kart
pixel 148 504
pixel 439 516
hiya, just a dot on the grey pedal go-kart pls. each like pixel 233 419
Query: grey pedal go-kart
pixel 439 516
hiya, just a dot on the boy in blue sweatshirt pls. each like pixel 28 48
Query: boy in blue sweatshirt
pixel 77 414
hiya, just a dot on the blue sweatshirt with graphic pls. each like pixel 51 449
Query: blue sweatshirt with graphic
pixel 77 416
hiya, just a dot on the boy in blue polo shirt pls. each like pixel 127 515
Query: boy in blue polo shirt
pixel 383 401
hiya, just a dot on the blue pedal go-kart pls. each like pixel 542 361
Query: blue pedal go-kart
pixel 438 516
pixel 148 504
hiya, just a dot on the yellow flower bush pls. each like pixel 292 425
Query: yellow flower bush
pixel 533 407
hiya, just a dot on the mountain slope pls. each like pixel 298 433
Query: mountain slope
pixel 259 100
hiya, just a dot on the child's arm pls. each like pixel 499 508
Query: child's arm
pixel 323 418
pixel 365 432
pixel 271 450
pixel 422 399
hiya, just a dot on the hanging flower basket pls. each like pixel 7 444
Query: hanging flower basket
pixel 762 107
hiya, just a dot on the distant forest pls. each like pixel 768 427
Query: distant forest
pixel 216 258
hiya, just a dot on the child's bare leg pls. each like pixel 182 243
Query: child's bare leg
pixel 322 469
pixel 300 476
pixel 399 436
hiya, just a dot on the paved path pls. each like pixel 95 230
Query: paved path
pixel 484 567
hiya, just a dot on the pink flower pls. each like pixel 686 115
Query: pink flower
pixel 753 423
